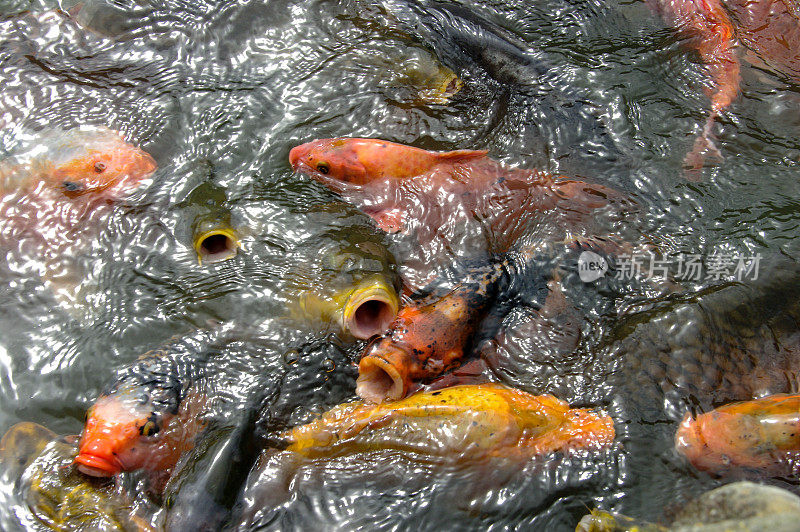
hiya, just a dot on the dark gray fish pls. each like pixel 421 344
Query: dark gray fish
pixel 213 234
pixel 531 86
pixel 465 41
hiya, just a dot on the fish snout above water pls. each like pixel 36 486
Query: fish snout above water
pixel 109 440
pixel 370 309
pixel 363 310
pixel 425 341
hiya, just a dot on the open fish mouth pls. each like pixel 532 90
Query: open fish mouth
pixel 216 245
pixel 97 466
pixel 370 309
pixel 379 379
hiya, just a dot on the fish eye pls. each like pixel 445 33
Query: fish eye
pixel 72 186
pixel 323 168
pixel 149 428
pixel 99 167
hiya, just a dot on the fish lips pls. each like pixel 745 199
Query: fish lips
pixel 98 466
pixel 382 374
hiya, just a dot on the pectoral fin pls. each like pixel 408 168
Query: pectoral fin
pixel 389 220
pixel 459 156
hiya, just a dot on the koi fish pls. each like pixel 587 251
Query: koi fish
pixel 361 161
pixel 77 163
pixel 353 284
pixel 214 237
pixel 362 310
pixel 711 32
pixel 771 28
pixel 407 189
pixel 149 416
pixel 761 434
pixel 485 419
pixel 37 463
pixel 426 340
pixel 54 196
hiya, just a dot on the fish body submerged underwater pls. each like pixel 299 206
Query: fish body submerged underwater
pixel 54 199
pixel 486 419
pixel 762 434
pixel 77 163
pixel 434 194
pixel 771 28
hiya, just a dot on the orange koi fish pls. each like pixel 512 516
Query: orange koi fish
pixel 711 32
pixel 126 432
pixel 54 196
pixel 361 161
pixel 408 189
pixel 761 434
pixel 485 419
pixel 149 416
pixel 425 341
pixel 75 163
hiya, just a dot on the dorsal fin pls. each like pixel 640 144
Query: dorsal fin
pixel 463 155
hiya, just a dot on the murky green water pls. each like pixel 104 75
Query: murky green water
pixel 220 92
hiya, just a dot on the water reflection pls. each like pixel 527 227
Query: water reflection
pixel 615 101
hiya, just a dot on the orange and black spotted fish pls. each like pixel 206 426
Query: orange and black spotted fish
pixel 426 340
pixel 762 434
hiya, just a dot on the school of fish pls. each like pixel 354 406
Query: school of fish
pixel 153 414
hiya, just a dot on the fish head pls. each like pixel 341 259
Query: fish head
pixel 385 370
pixel 332 161
pixel 121 434
pixel 718 440
pixel 99 163
pixel 369 308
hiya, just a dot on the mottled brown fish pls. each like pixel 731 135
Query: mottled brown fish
pixel 426 340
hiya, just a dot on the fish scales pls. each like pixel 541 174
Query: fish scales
pixel 731 343
pixel 436 335
pixel 488 419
